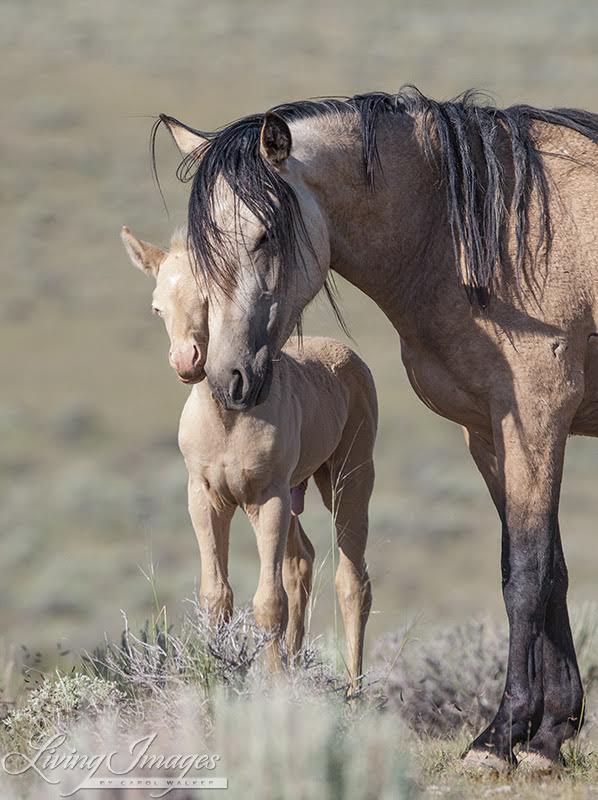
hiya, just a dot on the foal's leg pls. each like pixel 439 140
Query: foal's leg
pixel 349 505
pixel 270 520
pixel 297 571
pixel 212 528
pixel 530 446
pixel 563 692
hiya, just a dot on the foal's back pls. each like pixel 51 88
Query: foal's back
pixel 332 371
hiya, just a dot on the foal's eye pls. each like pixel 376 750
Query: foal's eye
pixel 156 311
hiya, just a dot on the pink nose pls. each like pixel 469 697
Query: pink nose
pixel 185 360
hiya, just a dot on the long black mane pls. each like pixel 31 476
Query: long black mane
pixel 461 136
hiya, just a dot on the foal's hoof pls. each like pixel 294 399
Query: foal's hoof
pixel 533 763
pixel 484 762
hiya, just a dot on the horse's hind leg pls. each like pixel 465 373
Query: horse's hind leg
pixel 297 571
pixel 347 499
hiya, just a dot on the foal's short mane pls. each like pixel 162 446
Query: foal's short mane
pixel 179 240
pixel 461 136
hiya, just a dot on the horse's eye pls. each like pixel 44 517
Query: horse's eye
pixel 156 311
pixel 262 241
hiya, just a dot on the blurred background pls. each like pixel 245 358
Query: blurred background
pixel 92 487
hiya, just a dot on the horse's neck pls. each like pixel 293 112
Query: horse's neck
pixel 392 241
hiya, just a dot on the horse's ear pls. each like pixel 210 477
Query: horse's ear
pixel 145 256
pixel 275 139
pixel 185 138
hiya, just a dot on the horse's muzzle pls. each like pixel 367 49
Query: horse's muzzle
pixel 246 388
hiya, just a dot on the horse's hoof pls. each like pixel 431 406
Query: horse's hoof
pixel 484 762
pixel 533 763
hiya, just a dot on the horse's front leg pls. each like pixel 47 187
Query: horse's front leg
pixel 212 529
pixel 529 432
pixel 563 690
pixel 270 519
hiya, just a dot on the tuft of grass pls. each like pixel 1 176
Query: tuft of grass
pixel 312 747
pixel 201 654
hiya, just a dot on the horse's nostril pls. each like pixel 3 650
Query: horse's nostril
pixel 236 388
pixel 195 358
pixel 241 388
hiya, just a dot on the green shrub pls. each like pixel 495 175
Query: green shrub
pixel 57 703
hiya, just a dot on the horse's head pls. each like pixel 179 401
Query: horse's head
pixel 177 299
pixel 259 241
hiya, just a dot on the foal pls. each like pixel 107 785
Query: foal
pixel 319 420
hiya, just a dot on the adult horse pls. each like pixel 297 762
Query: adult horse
pixel 474 230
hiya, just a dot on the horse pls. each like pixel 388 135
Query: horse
pixel 473 228
pixel 319 420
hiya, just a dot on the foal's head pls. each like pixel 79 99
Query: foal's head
pixel 177 299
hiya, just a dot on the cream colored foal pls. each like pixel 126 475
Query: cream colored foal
pixel 319 420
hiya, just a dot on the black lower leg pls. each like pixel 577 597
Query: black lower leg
pixel 563 692
pixel 529 444
pixel 527 583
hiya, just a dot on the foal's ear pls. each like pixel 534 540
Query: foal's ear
pixel 185 138
pixel 145 256
pixel 275 139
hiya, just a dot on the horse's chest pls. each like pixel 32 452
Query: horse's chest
pixel 442 391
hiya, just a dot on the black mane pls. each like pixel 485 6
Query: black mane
pixel 477 204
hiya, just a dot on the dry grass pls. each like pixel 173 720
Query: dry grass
pixel 441 769
pixel 205 689
pixel 452 682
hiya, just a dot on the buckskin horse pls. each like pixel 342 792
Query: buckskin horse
pixel 474 229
